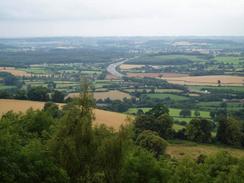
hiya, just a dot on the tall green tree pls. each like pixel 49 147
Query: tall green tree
pixel 38 93
pixel 73 146
pixel 58 96
pixel 157 119
pixel 199 130
pixel 185 113
pixel 158 110
pixel 229 131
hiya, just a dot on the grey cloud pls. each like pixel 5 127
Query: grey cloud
pixel 121 17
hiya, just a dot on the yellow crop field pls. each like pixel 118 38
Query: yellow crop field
pixel 130 66
pixel 207 80
pixel 15 72
pixel 111 119
pixel 156 75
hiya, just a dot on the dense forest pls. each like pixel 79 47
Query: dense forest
pixel 63 145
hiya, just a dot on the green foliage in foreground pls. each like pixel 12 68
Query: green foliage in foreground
pixel 56 146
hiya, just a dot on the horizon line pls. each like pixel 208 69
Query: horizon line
pixel 118 36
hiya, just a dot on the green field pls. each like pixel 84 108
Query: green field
pixel 90 72
pixel 67 85
pixel 172 112
pixel 235 60
pixel 232 106
pixel 36 70
pixel 201 88
pixel 102 83
pixel 160 90
pixel 175 113
pixel 5 87
pixel 164 96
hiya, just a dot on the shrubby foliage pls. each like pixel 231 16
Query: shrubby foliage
pixel 54 145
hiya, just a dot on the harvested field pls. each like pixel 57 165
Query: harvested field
pixel 207 80
pixel 111 119
pixel 18 105
pixel 143 75
pixel 194 94
pixel 130 66
pixel 156 75
pixel 15 72
pixel 113 95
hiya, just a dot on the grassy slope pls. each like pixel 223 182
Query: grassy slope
pixel 182 149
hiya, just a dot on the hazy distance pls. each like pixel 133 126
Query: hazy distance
pixel 28 18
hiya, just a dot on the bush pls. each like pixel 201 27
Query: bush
pixel 152 142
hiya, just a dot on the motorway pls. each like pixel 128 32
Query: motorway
pixel 112 68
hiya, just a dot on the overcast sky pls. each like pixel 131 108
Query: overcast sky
pixel 29 18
